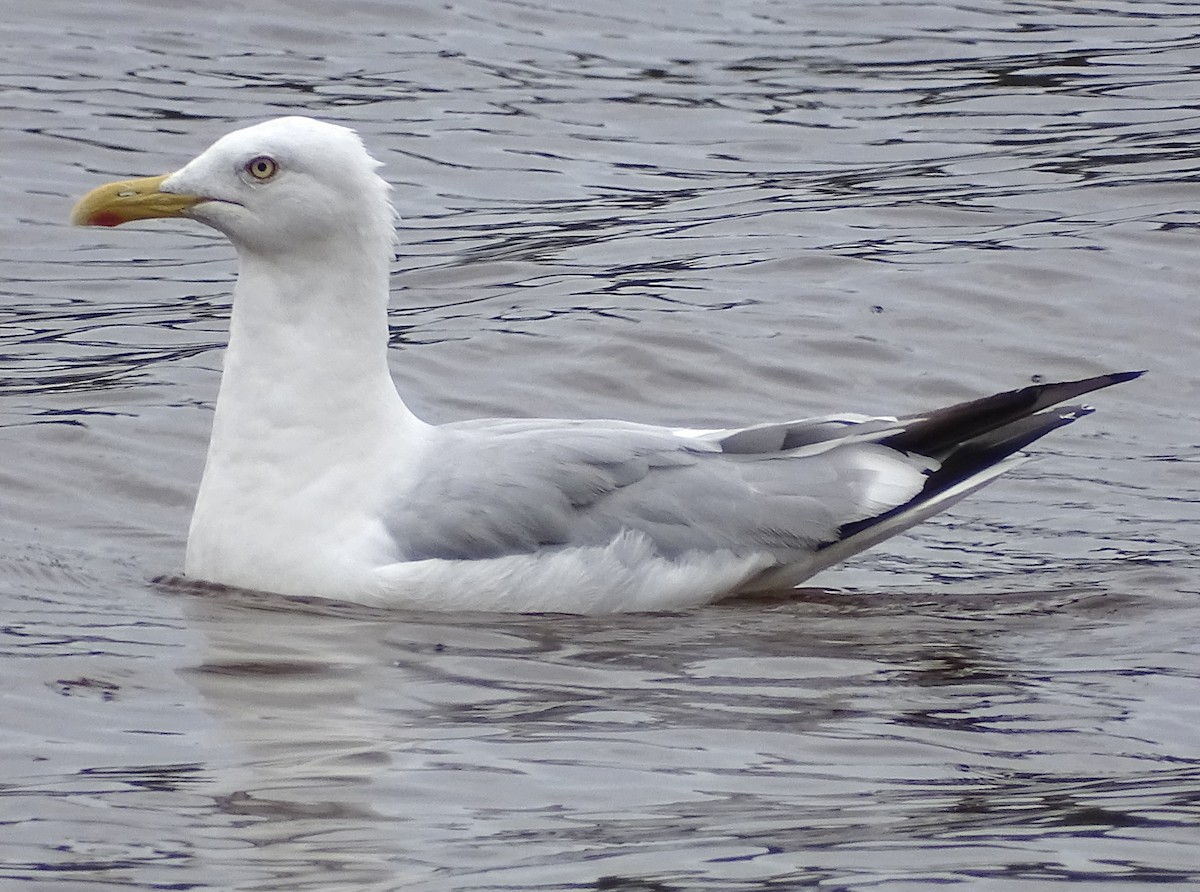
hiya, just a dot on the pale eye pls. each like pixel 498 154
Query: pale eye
pixel 262 168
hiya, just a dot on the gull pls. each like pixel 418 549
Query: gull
pixel 320 481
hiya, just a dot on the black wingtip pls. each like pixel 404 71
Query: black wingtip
pixel 1122 377
pixel 1043 396
pixel 935 433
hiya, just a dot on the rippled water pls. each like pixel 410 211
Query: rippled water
pixel 691 213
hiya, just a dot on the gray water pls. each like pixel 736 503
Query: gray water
pixel 692 213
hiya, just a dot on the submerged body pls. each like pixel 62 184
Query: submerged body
pixel 320 481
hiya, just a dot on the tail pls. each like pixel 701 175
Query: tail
pixel 973 443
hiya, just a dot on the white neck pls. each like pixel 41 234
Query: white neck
pixel 307 356
pixel 309 431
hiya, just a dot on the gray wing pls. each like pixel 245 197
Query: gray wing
pixel 503 487
pixel 809 493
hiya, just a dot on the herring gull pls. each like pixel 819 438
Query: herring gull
pixel 320 481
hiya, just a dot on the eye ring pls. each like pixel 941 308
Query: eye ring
pixel 262 167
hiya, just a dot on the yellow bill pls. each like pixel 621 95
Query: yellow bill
pixel 122 202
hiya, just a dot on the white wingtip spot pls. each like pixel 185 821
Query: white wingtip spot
pixel 893 478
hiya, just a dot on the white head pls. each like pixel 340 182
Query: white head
pixel 287 185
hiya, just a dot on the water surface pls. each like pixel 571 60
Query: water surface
pixel 698 215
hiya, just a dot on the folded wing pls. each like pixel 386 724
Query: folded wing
pixel 807 493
